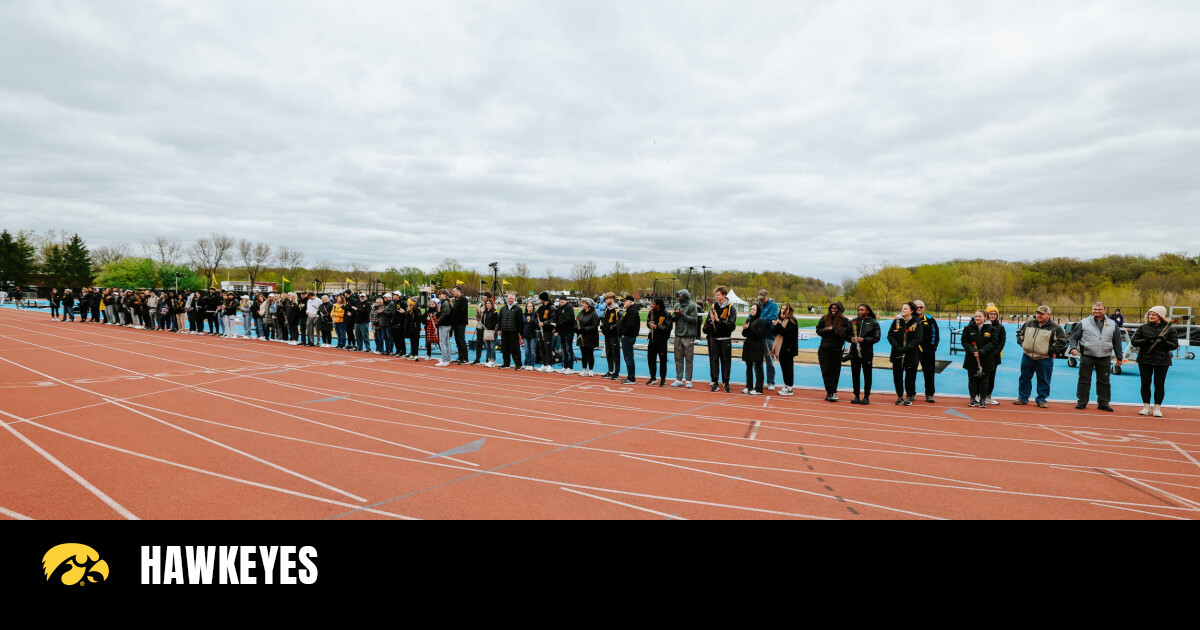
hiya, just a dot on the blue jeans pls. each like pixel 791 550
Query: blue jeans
pixel 489 351
pixel 768 343
pixel 385 332
pixel 361 331
pixel 531 351
pixel 1043 368
pixel 247 319
pixel 340 327
pixel 627 352
pixel 568 352
pixel 378 340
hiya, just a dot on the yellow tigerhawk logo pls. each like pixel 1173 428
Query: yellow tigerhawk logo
pixel 83 564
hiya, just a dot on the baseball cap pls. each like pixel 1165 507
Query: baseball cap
pixel 1044 309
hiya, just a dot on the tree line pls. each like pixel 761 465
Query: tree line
pixel 59 259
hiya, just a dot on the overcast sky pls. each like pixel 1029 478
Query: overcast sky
pixel 810 137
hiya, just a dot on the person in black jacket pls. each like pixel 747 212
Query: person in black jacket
pixel 905 338
pixel 787 334
pixel 589 336
pixel 989 385
pixel 564 328
pixel 864 334
pixel 979 341
pixel 546 321
pixel 754 331
pixel 94 304
pixel 512 324
pixel 834 329
pixel 718 328
pixel 55 301
pixel 489 324
pixel 459 322
pixel 385 325
pixel 928 348
pixel 1155 341
pixel 629 327
pixel 658 322
pixel 325 321
pixel 68 302
pixel 612 339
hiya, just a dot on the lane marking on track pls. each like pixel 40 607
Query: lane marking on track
pixel 772 485
pixel 1187 503
pixel 751 430
pixel 621 503
pixel 461 450
pixel 768 399
pixel 1117 507
pixel 227 447
pixel 112 503
pixel 16 515
pixel 216 474
pixel 305 402
pixel 1183 452
pixel 1066 435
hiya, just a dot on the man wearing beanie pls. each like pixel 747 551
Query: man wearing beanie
pixel 546 320
pixel 1094 341
pixel 1041 340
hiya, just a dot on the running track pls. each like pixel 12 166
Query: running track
pixel 101 422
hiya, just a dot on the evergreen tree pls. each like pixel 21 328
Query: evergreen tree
pixel 75 267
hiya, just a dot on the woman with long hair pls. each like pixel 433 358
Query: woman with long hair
pixel 1155 341
pixel 905 337
pixel 489 323
pixel 834 328
pixel 338 313
pixel 978 339
pixel 589 336
pixel 530 335
pixel 864 334
pixel 753 351
pixel 787 334
pixel 993 317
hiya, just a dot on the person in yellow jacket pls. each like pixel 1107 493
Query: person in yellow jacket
pixel 339 323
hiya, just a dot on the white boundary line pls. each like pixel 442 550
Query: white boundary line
pixel 628 505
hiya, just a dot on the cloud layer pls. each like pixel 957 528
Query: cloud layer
pixel 812 137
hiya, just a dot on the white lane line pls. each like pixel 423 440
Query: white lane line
pixel 797 490
pixel 219 475
pixel 1184 453
pixel 1188 502
pixel 1116 507
pixel 628 505
pixel 16 515
pixel 250 456
pixel 112 503
pixel 195 435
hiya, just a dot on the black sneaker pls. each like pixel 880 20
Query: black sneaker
pixel 1104 408
pixel 856 401
pixel 899 401
pixel 866 400
pixel 650 382
pixel 908 401
pixel 1081 406
pixel 929 399
pixel 726 388
pixel 629 381
pixel 712 387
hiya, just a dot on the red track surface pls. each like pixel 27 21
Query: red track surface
pixel 101 422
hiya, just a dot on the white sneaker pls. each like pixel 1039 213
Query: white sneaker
pixel 1157 411
pixel 756 393
pixel 1145 410
pixel 441 364
pixel 490 364
pixel 558 370
pixel 992 401
pixel 677 383
pixel 688 384
pixel 786 391
pixel 528 368
pixel 770 388
pixel 745 390
pixel 296 343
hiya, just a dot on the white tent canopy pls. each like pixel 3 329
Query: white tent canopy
pixel 737 302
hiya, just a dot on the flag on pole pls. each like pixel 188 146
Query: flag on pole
pixel 349 281
pixel 458 282
pixel 406 283
pixel 285 278
pixel 505 282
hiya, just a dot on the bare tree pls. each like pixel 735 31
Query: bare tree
pixel 322 271
pixel 106 254
pixel 255 257
pixel 163 250
pixel 585 277
pixel 206 254
pixel 290 260
pixel 519 280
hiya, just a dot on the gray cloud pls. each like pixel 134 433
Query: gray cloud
pixel 813 138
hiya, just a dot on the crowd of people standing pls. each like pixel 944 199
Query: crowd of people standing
pixel 548 335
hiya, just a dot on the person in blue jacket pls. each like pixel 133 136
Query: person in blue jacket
pixel 769 311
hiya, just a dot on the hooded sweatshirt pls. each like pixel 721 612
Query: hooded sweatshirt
pixel 686 316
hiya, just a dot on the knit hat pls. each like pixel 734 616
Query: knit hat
pixel 991 308
pixel 545 297
pixel 629 297
pixel 1161 311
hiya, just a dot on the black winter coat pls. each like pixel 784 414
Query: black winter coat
pixel 833 339
pixel 511 320
pixel 1148 335
pixel 589 328
pixel 982 339
pixel 564 321
pixel 756 329
pixel 661 333
pixel 905 337
pixel 630 324
pixel 789 332
pixel 868 329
